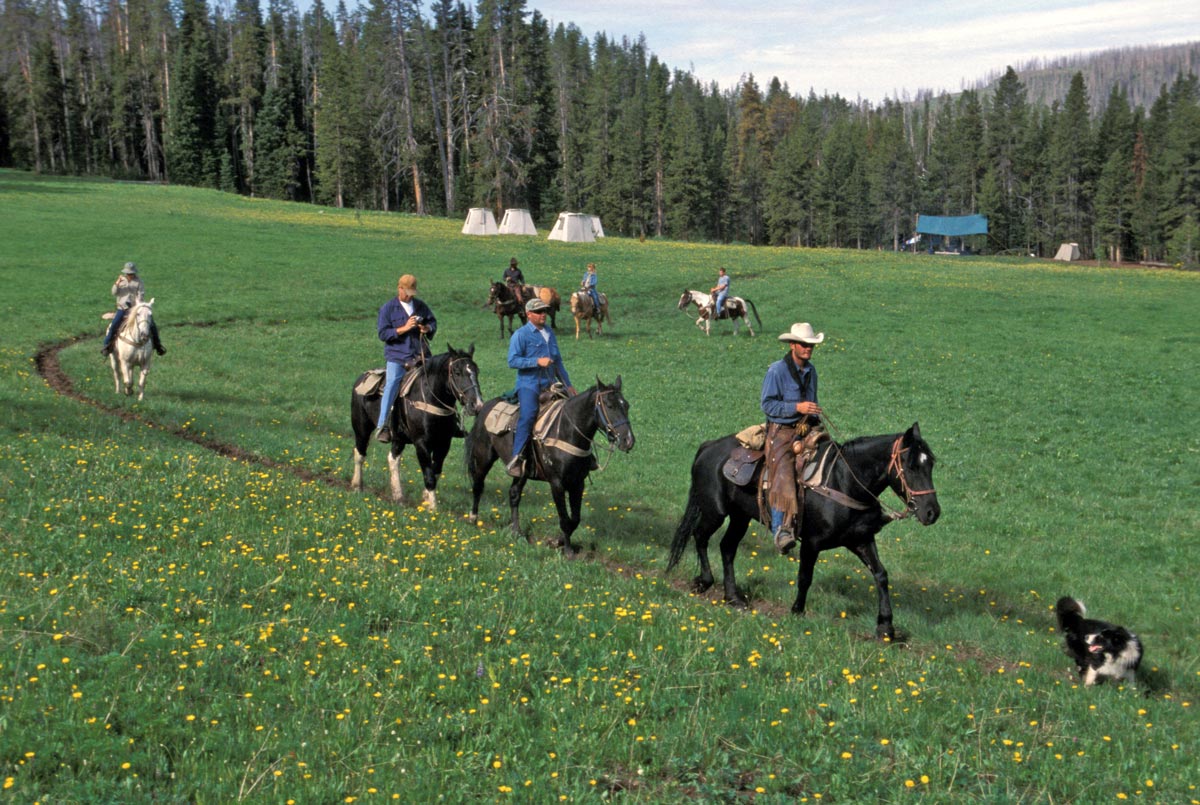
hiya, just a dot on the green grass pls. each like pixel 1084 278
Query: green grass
pixel 177 626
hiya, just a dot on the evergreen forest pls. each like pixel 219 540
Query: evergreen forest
pixel 387 106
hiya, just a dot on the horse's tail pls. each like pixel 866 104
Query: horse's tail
pixel 753 308
pixel 687 527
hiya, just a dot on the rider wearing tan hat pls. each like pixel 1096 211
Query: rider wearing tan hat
pixel 405 326
pixel 128 290
pixel 789 400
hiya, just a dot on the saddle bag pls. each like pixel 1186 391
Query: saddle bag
pixel 372 383
pixel 741 465
pixel 502 418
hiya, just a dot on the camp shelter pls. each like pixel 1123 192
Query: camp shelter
pixel 597 229
pixel 480 221
pixel 573 227
pixel 1067 252
pixel 517 222
pixel 951 226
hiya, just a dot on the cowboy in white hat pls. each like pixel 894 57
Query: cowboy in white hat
pixel 789 399
pixel 128 290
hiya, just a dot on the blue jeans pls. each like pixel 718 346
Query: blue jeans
pixel 527 399
pixel 720 304
pixel 114 326
pixel 395 373
pixel 592 292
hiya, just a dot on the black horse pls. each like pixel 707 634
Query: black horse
pixel 504 304
pixel 849 516
pixel 563 459
pixel 426 418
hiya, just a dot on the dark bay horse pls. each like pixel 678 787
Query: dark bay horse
pixel 564 457
pixel 504 304
pixel 426 418
pixel 860 471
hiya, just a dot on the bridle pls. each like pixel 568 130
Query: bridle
pixel 606 422
pixel 896 465
pixel 459 392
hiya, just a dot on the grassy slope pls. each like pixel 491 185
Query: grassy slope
pixel 228 629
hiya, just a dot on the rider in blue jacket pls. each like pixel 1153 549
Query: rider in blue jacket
pixel 588 285
pixel 533 352
pixel 405 326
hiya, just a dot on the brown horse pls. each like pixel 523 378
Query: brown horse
pixel 584 311
pixel 504 304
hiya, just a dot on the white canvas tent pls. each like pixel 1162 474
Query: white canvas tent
pixel 573 227
pixel 597 229
pixel 517 222
pixel 480 221
pixel 1067 252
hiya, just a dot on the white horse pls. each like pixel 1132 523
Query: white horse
pixel 735 308
pixel 132 347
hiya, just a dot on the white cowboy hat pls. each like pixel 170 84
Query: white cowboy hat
pixel 129 268
pixel 802 333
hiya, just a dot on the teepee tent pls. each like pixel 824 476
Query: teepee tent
pixel 517 222
pixel 480 221
pixel 597 229
pixel 1067 252
pixel 573 227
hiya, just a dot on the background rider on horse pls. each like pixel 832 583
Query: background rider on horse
pixel 515 280
pixel 128 290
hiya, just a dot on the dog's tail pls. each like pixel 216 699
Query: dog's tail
pixel 1070 612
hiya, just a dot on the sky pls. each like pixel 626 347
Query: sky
pixel 871 49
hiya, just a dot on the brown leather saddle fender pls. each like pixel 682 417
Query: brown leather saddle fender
pixel 741 465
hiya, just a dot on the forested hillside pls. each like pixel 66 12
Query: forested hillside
pixel 386 107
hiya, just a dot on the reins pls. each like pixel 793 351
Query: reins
pixel 610 431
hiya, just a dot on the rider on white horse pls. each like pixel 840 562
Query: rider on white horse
pixel 721 289
pixel 128 290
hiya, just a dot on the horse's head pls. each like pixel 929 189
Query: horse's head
pixel 495 293
pixel 612 415
pixel 464 379
pixel 911 475
pixel 685 299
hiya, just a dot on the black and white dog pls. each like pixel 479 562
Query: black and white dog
pixel 1099 649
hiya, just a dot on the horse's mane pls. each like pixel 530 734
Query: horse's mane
pixel 860 443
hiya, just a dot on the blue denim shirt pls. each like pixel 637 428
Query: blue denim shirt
pixel 780 392
pixel 524 349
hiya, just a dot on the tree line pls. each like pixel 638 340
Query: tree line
pixel 382 107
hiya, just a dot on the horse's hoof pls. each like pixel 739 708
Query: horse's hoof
pixel 885 633
pixel 701 586
pixel 738 603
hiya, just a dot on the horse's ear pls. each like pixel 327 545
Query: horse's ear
pixel 599 382
pixel 151 302
pixel 617 383
pixel 471 351
pixel 915 431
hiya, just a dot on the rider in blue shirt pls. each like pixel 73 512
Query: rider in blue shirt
pixel 721 289
pixel 789 400
pixel 588 284
pixel 405 325
pixel 533 352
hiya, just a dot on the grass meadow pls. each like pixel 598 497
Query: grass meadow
pixel 180 626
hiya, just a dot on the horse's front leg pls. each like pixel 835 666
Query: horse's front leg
pixel 568 519
pixel 394 471
pixel 868 552
pixel 142 379
pixel 431 460
pixel 804 577
pixel 116 370
pixel 356 480
pixel 514 505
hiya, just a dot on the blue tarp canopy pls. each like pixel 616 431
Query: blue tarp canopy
pixel 952 226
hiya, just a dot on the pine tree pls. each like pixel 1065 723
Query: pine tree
pixel 686 191
pixel 1072 167
pixel 192 144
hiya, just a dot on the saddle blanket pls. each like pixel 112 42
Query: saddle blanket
pixel 504 415
pixel 372 383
